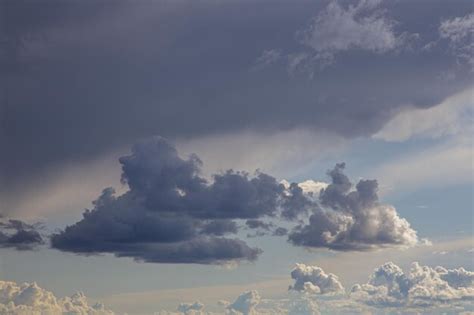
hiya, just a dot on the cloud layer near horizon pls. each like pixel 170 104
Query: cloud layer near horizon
pixel 422 290
pixel 30 299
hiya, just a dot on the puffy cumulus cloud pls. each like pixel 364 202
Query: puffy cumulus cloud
pixel 245 304
pixel 19 235
pixel 459 31
pixel 172 214
pixel 313 279
pixel 422 286
pixel 352 219
pixel 389 290
pixel 30 299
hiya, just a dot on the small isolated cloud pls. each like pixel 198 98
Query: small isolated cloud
pixel 348 219
pixel 195 308
pixel 459 31
pixel 422 286
pixel 19 235
pixel 30 299
pixel 313 279
pixel 245 304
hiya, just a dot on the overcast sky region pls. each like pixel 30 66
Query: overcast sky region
pixel 236 157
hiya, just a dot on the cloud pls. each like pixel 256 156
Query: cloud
pixel 156 82
pixel 245 304
pixel 459 31
pixel 313 279
pixel 191 308
pixel 451 117
pixel 19 235
pixel 172 214
pixel 349 219
pixel 30 299
pixel 422 286
pixel 360 26
pixel 423 289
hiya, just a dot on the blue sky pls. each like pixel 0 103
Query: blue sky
pixel 344 126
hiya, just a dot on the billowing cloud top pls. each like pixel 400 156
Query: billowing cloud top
pixel 30 299
pixel 313 279
pixel 172 214
pixel 422 286
pixel 353 219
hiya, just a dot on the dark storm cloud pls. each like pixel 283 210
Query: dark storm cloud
pixel 19 235
pixel 350 219
pixel 170 213
pixel 86 77
pixel 295 203
pixel 258 224
pixel 220 227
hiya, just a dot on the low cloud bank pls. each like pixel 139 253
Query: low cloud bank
pixel 30 299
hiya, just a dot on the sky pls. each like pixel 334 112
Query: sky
pixel 236 157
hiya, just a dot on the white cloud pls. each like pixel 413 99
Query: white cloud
pixel 313 279
pixel 389 290
pixel 30 299
pixel 459 32
pixel 312 187
pixel 446 162
pixel 359 26
pixel 451 117
pixel 245 304
pixel 338 28
pixel 422 286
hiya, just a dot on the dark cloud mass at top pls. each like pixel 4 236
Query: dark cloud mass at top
pixel 81 78
pixel 172 214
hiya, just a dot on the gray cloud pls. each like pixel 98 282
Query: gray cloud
pixel 191 308
pixel 170 213
pixel 143 75
pixel 352 219
pixel 19 235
